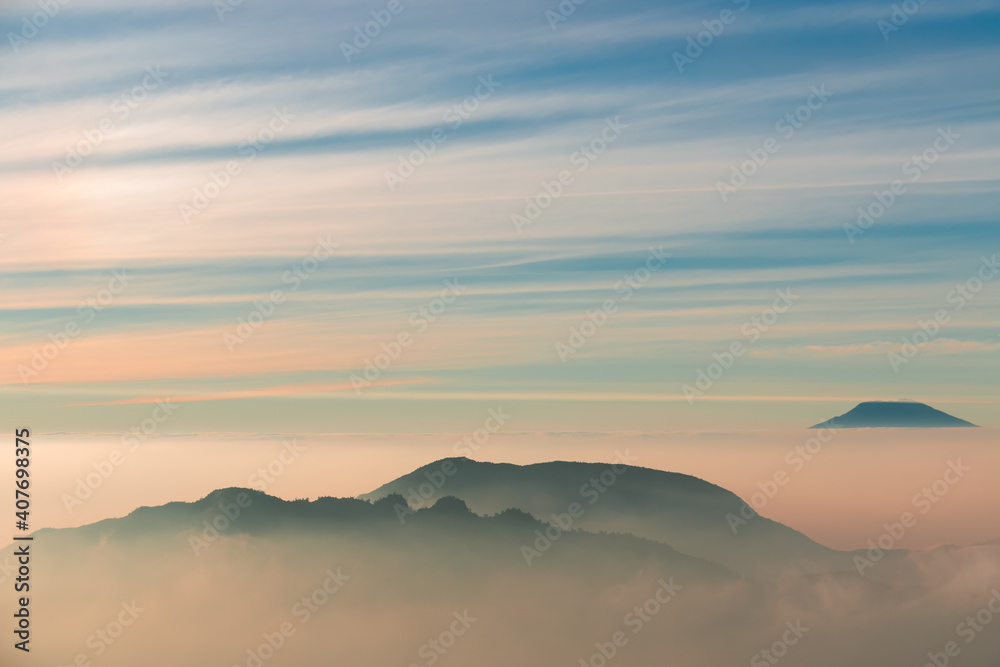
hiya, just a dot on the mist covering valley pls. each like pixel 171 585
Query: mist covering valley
pixel 462 562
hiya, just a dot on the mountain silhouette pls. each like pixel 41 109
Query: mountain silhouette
pixel 894 414
pixel 369 580
pixel 689 514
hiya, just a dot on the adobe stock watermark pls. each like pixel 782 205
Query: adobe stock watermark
pixel 265 475
pixel 582 158
pixel 968 629
pixel 900 14
pixel 103 470
pixel 752 329
pixel 419 496
pixel 217 182
pixel 101 640
pixel 928 330
pixel 796 458
pixel 924 501
pixel 592 490
pixel 229 512
pixel 86 312
pixel 562 12
pixel 472 443
pixel 635 620
pixel 319 597
pixel 7 569
pixel 33 24
pixel 698 43
pixel 363 35
pixel 435 647
pixel 213 528
pixel 741 173
pixel 914 169
pixel 263 310
pixel 779 649
pixel 595 319
pixel 223 7
pixel 419 321
pixel 455 116
pixel 121 109
pixel 303 611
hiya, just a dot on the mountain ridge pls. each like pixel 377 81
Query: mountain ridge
pixel 894 414
pixel 690 514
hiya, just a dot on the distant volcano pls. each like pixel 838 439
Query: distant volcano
pixel 894 414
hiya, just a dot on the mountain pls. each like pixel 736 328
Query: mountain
pixel 691 515
pixel 442 536
pixel 240 577
pixel 894 414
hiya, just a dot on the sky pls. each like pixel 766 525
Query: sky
pixel 611 217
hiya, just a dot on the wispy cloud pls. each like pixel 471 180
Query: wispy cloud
pixel 324 175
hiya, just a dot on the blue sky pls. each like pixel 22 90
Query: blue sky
pixel 327 131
